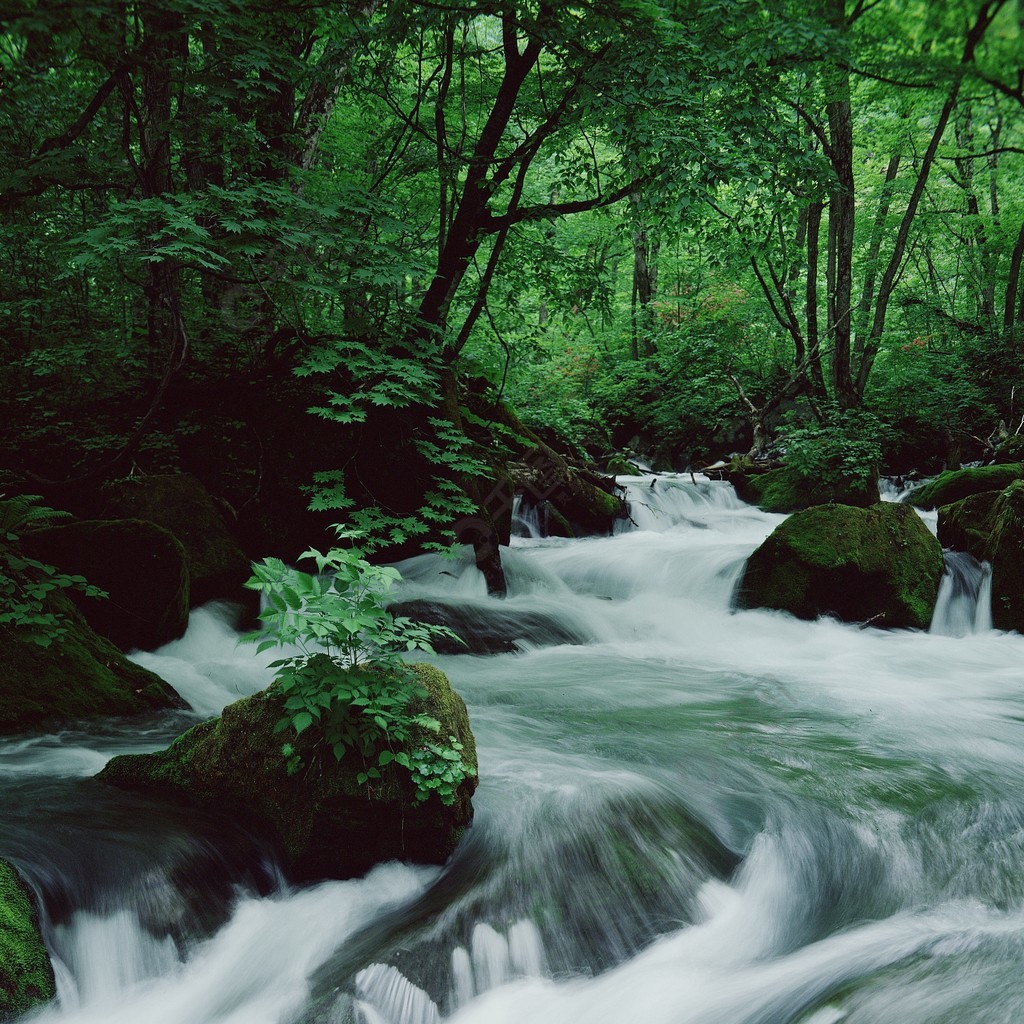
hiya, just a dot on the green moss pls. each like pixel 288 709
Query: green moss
pixel 82 676
pixel 1010 450
pixel 990 526
pixel 327 823
pixel 785 489
pixel 967 524
pixel 877 564
pixel 955 484
pixel 557 525
pixel 26 974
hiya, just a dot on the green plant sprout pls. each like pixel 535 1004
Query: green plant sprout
pixel 349 687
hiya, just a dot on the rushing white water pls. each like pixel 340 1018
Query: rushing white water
pixel 686 815
pixel 964 604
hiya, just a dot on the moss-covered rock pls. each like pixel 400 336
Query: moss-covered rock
pixel 80 676
pixel 217 567
pixel 326 823
pixel 955 484
pixel 786 489
pixel 26 974
pixel 140 565
pixel 990 526
pixel 878 564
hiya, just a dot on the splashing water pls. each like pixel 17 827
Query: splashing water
pixel 686 815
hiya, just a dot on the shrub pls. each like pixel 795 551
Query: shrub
pixel 349 689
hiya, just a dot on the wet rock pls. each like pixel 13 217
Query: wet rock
pixel 26 974
pixel 786 489
pixel 326 823
pixel 140 565
pixel 485 630
pixel 81 675
pixel 217 567
pixel 955 484
pixel 879 565
pixel 990 526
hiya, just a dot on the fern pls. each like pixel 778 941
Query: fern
pixel 23 511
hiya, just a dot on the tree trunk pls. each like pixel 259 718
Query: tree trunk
pixel 840 221
pixel 987 12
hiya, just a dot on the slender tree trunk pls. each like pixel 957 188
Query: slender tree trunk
pixel 1013 286
pixel 164 44
pixel 986 13
pixel 817 376
pixel 645 282
pixel 874 249
pixel 841 221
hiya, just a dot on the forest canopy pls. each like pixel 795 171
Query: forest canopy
pixel 680 229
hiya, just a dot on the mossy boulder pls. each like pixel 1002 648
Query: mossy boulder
pixel 877 564
pixel 140 565
pixel 955 484
pixel 326 824
pixel 990 526
pixel 217 567
pixel 26 974
pixel 786 489
pixel 82 675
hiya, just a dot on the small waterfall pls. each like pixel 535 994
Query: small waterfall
pixel 494 959
pixel 964 604
pixel 668 501
pixel 525 519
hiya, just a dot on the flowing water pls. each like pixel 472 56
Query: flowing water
pixel 686 814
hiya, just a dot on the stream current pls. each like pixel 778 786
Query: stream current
pixel 686 815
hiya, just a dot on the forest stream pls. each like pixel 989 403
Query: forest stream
pixel 686 815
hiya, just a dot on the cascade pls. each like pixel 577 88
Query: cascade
pixel 686 815
pixel 964 604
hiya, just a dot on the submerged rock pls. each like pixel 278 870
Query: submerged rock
pixel 326 823
pixel 786 489
pixel 81 675
pixel 486 630
pixel 140 565
pixel 990 526
pixel 955 484
pixel 877 564
pixel 178 502
pixel 26 974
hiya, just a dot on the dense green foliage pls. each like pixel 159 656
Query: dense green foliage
pixel 660 225
pixel 348 685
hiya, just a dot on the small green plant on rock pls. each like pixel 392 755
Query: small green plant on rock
pixel 348 688
pixel 26 583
